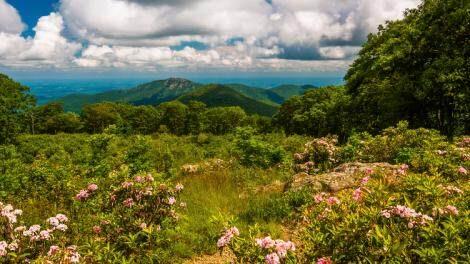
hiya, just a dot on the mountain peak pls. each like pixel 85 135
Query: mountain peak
pixel 177 83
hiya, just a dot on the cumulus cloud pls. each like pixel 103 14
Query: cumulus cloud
pixel 48 47
pixel 10 20
pixel 242 34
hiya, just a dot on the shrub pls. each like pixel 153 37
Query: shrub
pixel 254 152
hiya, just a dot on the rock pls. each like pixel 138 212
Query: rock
pixel 342 177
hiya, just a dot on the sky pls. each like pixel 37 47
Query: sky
pixel 197 36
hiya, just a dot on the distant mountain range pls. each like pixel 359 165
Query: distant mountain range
pixel 253 100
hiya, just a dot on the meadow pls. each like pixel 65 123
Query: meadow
pixel 170 199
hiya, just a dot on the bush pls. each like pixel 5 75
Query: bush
pixel 254 152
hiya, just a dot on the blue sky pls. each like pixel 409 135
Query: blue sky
pixel 143 37
pixel 31 11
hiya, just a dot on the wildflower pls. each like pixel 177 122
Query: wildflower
pixel 333 201
pixel 138 179
pixel 171 200
pixel 53 221
pixel 127 185
pixel 62 218
pixel 402 170
pixel 272 258
pixel 357 194
pixel 53 250
pixel 82 195
pixel 368 171
pixel 74 256
pixel 179 187
pixel 266 242
pixel 324 260
pixel 3 248
pixel 44 235
pixel 61 227
pixel 96 229
pixel 319 197
pixel 143 225
pixel 227 236
pixel 92 187
pixel 282 247
pixel 462 170
pixel 452 210
pixel 441 152
pixel 128 202
pixel 386 214
pixel 34 228
pixel 365 180
pixel 451 190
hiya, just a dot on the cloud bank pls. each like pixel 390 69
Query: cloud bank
pixel 198 34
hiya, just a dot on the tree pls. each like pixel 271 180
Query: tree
pixel 415 69
pixel 318 112
pixel 222 120
pixel 174 116
pixel 97 117
pixel 196 117
pixel 14 102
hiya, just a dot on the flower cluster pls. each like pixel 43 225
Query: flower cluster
pixel 462 170
pixel 276 249
pixel 324 260
pixel 67 255
pixel 10 213
pixel 403 169
pixel 318 154
pixel 84 194
pixel 449 190
pixel 358 194
pixel 414 218
pixel 225 239
pixel 34 233
pixel 138 203
pixel 448 210
pixel 322 197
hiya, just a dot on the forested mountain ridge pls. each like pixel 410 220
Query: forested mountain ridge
pixel 160 91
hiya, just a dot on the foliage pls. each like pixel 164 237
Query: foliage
pixel 14 102
pixel 415 69
pixel 254 152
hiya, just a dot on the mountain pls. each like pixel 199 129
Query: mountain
pixel 252 99
pixel 151 93
pixel 287 91
pixel 214 95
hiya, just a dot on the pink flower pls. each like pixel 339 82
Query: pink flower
pixel 319 197
pixel 462 170
pixel 282 247
pixel 386 214
pixel 333 201
pixel 3 248
pixel 61 227
pixel 272 258
pixel 53 250
pixel 357 194
pixel 266 242
pixel 368 171
pixel 143 225
pixel 324 260
pixel 127 185
pixel 44 235
pixel 365 180
pixel 128 202
pixel 13 246
pixel 92 187
pixel 138 179
pixel 452 210
pixel 228 235
pixel 82 195
pixel 53 221
pixel 96 229
pixel 171 200
pixel 62 218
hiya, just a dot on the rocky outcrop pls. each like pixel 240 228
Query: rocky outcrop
pixel 342 177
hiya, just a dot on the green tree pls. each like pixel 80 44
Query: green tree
pixel 174 116
pixel 196 117
pixel 416 69
pixel 97 117
pixel 14 102
pixel 222 120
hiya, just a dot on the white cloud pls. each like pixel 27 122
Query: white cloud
pixel 48 47
pixel 242 34
pixel 10 20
